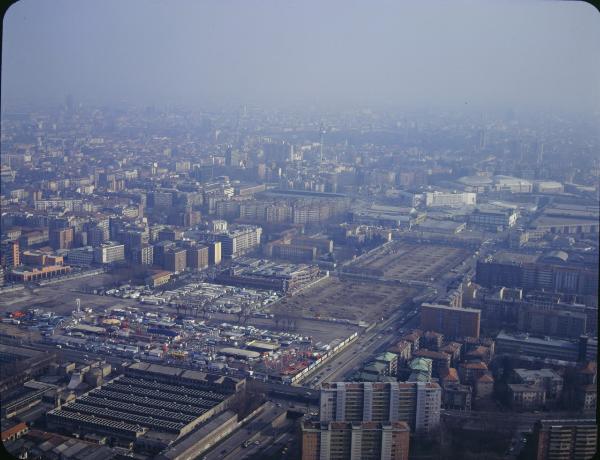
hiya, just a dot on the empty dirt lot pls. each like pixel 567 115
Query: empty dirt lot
pixel 408 261
pixel 60 298
pixel 351 300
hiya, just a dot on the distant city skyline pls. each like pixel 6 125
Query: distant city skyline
pixel 523 55
pixel 299 230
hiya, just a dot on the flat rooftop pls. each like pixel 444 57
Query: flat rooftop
pixel 515 257
pixel 552 220
pixel 10 354
pixel 303 193
pixel 441 224
pixel 573 210
pixel 154 371
pixel 239 352
pixel 537 373
pixel 446 307
pixel 187 443
pixel 143 403
pixel 550 342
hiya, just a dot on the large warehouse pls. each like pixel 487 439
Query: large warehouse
pixel 150 405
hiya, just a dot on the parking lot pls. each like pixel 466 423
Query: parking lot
pixel 411 261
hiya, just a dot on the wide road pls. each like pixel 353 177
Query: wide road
pixel 259 429
pixel 279 447
pixel 361 350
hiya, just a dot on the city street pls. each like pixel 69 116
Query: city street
pixel 361 350
pixel 258 433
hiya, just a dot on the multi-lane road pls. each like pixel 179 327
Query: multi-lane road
pixel 249 440
pixel 362 349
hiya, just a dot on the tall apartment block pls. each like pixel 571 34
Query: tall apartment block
pixel 175 260
pixel 239 241
pixel 214 253
pixel 197 257
pixel 10 255
pixel 109 253
pixel 161 200
pixel 450 321
pixel 355 441
pixel 566 439
pixel 97 235
pixel 61 238
pixel 160 249
pixel 416 403
pixel 143 255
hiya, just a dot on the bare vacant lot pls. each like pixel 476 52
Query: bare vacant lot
pixel 407 261
pixel 346 300
pixel 61 297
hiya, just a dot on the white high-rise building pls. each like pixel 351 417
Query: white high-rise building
pixel 416 403
pixel 446 199
pixel 240 240
pixel 109 252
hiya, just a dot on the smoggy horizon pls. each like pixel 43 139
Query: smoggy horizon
pixel 531 56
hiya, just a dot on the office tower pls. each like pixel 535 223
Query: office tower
pixel 355 441
pixel 61 238
pixel 416 403
pixel 450 321
pixel 565 439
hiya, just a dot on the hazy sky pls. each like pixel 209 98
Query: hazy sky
pixel 409 54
